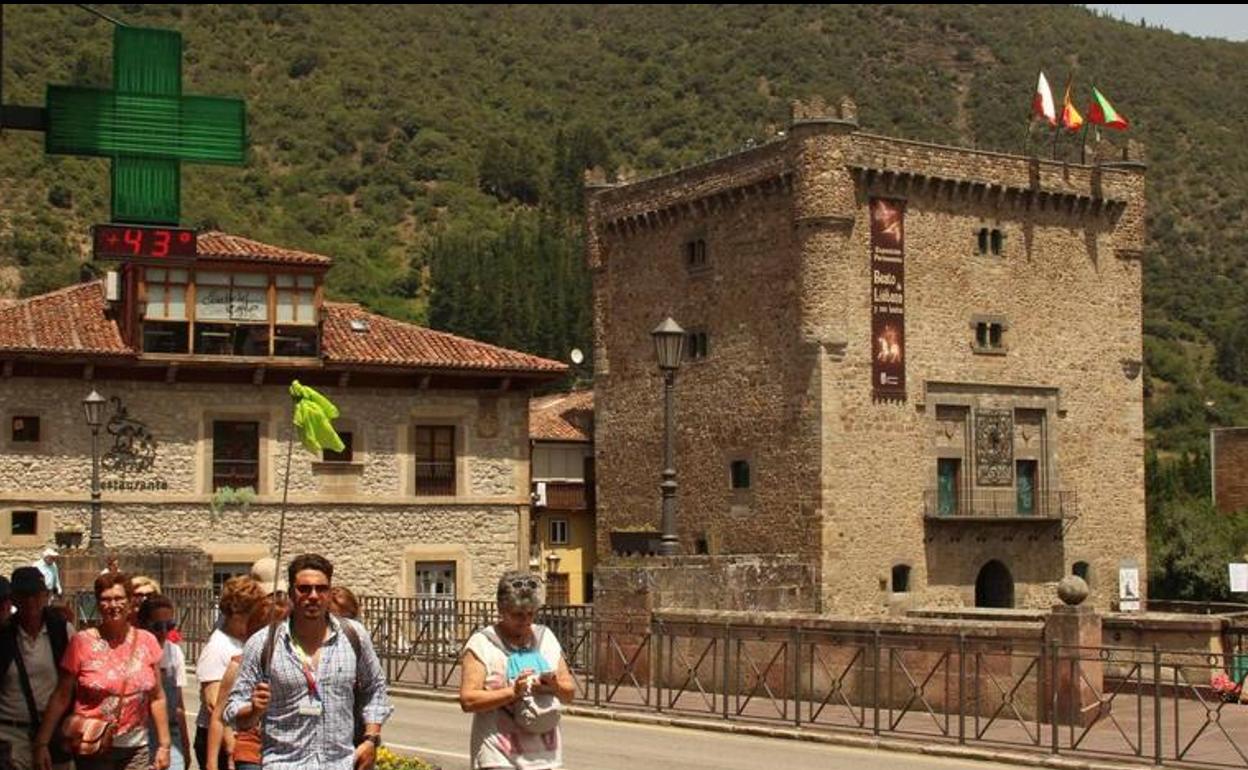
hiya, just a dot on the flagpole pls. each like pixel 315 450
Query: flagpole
pixel 1083 143
pixel 281 522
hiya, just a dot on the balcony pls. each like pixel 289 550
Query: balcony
pixel 567 496
pixel 999 505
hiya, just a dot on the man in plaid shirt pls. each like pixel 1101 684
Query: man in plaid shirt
pixel 315 682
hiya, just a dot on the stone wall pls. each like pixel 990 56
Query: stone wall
pixel 364 515
pixel 785 300
pixel 1229 457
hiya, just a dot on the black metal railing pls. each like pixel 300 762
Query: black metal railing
pixel 1165 707
pixel 999 504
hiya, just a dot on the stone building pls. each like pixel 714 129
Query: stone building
pixel 915 368
pixel 429 497
pixel 1228 460
pixel 561 429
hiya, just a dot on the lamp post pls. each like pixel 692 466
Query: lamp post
pixel 93 407
pixel 669 346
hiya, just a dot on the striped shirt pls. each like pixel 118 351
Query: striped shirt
pixel 306 728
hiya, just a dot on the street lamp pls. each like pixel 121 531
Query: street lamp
pixel 93 407
pixel 669 346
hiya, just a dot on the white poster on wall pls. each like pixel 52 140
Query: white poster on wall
pixel 1128 587
pixel 1239 577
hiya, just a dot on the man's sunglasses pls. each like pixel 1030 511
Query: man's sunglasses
pixel 307 589
pixel 531 584
pixel 162 626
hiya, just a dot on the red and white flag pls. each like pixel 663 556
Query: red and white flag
pixel 1042 103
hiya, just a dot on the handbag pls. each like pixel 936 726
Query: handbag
pixel 93 736
pixel 535 713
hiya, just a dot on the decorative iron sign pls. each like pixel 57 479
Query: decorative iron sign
pixel 134 447
pixel 994 447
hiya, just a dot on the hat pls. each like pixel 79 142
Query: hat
pixel 263 572
pixel 51 551
pixel 28 581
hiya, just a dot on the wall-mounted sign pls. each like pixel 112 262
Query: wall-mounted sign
pixel 134 447
pixel 1129 586
pixel 888 299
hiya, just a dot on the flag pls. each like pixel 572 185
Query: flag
pixel 1071 119
pixel 313 413
pixel 1102 113
pixel 1042 102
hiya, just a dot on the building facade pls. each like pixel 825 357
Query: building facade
pixel 561 429
pixel 430 496
pixel 914 367
pixel 1228 461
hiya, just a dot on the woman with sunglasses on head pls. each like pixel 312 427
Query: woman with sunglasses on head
pixel 157 615
pixel 110 679
pixel 508 668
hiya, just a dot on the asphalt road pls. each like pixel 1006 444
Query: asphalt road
pixel 438 731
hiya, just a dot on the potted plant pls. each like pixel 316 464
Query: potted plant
pixel 230 497
pixel 388 760
pixel 69 537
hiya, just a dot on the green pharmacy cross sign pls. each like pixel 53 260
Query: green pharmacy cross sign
pixel 146 126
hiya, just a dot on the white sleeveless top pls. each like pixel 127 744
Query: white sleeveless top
pixel 497 741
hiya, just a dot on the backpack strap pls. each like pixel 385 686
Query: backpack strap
pixel 353 636
pixel 58 634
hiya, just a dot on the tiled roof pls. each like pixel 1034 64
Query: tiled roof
pixel 385 341
pixel 217 245
pixel 562 417
pixel 69 320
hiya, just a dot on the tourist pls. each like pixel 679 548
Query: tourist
pixel 157 615
pixel 109 674
pixel 239 597
pixel 51 571
pixel 514 682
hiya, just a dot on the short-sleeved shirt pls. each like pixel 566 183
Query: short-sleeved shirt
pixel 114 683
pixel 497 741
pixel 213 660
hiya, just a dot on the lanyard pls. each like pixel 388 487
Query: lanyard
pixel 305 661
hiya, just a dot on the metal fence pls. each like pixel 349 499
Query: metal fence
pixel 1145 705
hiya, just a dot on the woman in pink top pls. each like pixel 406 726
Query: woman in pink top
pixel 111 673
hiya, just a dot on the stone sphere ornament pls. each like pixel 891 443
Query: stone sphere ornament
pixel 1072 590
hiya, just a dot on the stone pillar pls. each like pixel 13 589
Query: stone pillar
pixel 1078 675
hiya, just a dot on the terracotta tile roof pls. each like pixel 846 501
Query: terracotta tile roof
pixel 562 417
pixel 387 342
pixel 217 245
pixel 69 320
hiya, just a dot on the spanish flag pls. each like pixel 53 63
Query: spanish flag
pixel 1071 119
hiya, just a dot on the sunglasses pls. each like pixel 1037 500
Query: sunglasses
pixel 307 590
pixel 532 584
pixel 162 626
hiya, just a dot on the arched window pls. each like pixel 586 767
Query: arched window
pixel 901 578
pixel 1083 570
pixel 995 586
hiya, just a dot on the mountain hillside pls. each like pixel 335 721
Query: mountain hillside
pixel 436 151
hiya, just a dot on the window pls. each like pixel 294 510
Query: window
pixel 1026 472
pixel 234 314
pixel 435 460
pixel 697 346
pixel 695 254
pixel 25 429
pixel 235 454
pixel 989 336
pixel 990 241
pixel 558 531
pixel 901 578
pixel 740 472
pixel 223 571
pixel 948 484
pixel 345 456
pixel 557 588
pixel 24 523
pixel 1083 570
pixel 435 580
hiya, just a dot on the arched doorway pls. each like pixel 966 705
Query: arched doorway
pixel 995 586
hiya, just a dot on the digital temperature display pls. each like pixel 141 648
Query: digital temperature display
pixel 153 242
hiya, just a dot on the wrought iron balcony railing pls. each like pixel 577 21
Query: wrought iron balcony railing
pixel 999 504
